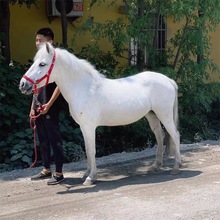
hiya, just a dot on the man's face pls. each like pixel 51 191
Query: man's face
pixel 40 39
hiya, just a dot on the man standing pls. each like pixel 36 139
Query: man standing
pixel 47 123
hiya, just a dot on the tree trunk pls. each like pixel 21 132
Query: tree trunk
pixel 63 22
pixel 140 49
pixel 4 29
pixel 200 43
pixel 185 29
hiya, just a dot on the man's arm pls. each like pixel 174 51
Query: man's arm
pixel 32 112
pixel 53 98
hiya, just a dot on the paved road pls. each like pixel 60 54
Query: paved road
pixel 123 191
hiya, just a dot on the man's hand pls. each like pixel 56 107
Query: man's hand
pixel 45 108
pixel 32 113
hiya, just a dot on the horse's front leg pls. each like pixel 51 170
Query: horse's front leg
pixel 89 139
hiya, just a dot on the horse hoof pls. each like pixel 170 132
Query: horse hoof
pixel 84 177
pixel 184 166
pixel 88 182
pixel 175 172
pixel 153 169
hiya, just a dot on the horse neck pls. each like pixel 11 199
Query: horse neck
pixel 71 80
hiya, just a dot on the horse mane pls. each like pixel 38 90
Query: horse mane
pixel 76 64
pixel 70 60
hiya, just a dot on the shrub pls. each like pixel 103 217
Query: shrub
pixel 16 142
pixel 14 123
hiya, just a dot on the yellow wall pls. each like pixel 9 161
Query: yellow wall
pixel 25 22
pixel 215 54
pixel 214 37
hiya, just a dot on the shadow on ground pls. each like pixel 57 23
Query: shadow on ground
pixel 131 173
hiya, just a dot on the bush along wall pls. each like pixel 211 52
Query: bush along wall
pixel 16 136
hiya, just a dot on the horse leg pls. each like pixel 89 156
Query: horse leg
pixel 170 126
pixel 89 139
pixel 155 126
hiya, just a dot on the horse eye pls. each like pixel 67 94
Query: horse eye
pixel 42 64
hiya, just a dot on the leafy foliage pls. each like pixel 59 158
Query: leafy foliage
pixel 186 58
pixel 16 142
pixel 72 152
pixel 106 65
pixel 14 125
pixel 28 3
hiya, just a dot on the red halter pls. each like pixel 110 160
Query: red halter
pixel 46 76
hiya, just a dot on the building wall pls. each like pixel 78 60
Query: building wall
pixel 25 22
pixel 215 51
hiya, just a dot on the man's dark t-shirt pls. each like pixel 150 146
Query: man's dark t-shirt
pixel 45 94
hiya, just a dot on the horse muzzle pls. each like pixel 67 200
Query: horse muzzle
pixel 25 87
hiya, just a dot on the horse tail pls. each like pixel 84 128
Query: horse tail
pixel 170 148
pixel 175 106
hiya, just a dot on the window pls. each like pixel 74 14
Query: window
pixel 159 41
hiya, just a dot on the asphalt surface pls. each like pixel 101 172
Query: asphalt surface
pixel 124 190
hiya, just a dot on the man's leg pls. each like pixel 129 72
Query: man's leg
pixel 53 130
pixel 44 149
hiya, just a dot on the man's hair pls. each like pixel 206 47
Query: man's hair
pixel 46 32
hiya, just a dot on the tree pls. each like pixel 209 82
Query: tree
pixel 186 57
pixel 5 24
pixel 62 5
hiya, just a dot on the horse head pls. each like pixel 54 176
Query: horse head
pixel 38 74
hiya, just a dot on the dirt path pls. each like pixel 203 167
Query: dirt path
pixel 124 189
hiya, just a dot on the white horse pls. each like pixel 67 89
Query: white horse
pixel 98 101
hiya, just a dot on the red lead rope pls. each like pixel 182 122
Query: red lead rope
pixel 33 127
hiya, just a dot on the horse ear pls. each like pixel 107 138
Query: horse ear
pixel 48 48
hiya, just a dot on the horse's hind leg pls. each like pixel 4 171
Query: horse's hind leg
pixel 175 136
pixel 155 126
pixel 89 138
